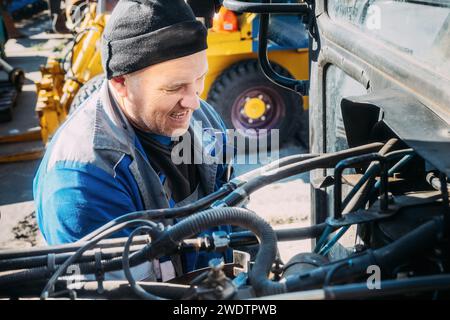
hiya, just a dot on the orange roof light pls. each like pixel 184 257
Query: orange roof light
pixel 225 20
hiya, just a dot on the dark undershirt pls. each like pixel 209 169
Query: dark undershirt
pixel 181 179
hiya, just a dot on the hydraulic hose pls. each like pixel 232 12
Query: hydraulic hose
pixel 137 289
pixel 66 248
pixel 44 273
pixel 168 213
pixel 169 240
pixel 324 161
pixel 390 287
pixel 236 239
pixel 165 213
pixel 42 260
pixel 387 258
pixel 91 244
pixel 355 198
pixel 285 165
pixel 361 291
pixel 120 289
pixel 276 165
pixel 245 218
pixel 116 290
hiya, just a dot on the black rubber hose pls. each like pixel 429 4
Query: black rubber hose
pixel 116 290
pixel 387 258
pixel 42 260
pixel 416 241
pixel 165 213
pixel 275 165
pixel 41 273
pixel 324 161
pixel 114 262
pixel 389 287
pixel 203 203
pixel 91 244
pixel 236 239
pixel 65 248
pixel 185 229
pixel 360 290
pixel 121 290
pixel 241 217
pixel 137 289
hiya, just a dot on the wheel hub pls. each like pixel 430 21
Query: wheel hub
pixel 254 108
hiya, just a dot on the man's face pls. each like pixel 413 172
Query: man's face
pixel 162 97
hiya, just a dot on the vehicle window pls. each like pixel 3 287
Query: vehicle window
pixel 419 28
pixel 337 86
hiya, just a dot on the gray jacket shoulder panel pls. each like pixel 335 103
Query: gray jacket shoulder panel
pixel 72 141
pixel 88 136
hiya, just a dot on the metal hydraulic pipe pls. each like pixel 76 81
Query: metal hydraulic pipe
pixel 252 7
pixel 298 86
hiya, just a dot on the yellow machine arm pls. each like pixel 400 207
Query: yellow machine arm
pixel 58 87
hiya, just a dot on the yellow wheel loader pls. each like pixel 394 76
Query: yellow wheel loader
pixel 235 85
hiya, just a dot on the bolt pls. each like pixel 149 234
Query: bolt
pixel 242 111
pixel 260 97
pixel 263 118
pixel 216 264
pixel 268 106
pixel 250 120
pixel 390 198
pixel 247 98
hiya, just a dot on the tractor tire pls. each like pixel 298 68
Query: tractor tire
pixel 86 91
pixel 280 108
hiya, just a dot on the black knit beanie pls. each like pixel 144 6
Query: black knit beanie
pixel 140 33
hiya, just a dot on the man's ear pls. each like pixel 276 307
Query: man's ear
pixel 118 84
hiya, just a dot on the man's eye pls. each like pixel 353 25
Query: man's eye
pixel 171 90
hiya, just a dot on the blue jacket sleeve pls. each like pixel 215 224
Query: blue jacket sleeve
pixel 73 199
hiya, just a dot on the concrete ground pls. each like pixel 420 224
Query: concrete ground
pixel 17 223
pixel 285 204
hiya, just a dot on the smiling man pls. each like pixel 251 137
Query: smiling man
pixel 113 155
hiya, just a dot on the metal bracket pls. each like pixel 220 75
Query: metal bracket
pixel 99 270
pixel 374 214
pixel 221 240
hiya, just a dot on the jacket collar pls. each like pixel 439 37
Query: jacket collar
pixel 112 130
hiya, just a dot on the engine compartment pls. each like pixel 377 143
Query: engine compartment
pixel 401 214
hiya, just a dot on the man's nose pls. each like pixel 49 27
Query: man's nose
pixel 191 99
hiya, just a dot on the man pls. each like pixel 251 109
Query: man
pixel 114 154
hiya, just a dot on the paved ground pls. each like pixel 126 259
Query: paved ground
pixel 284 204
